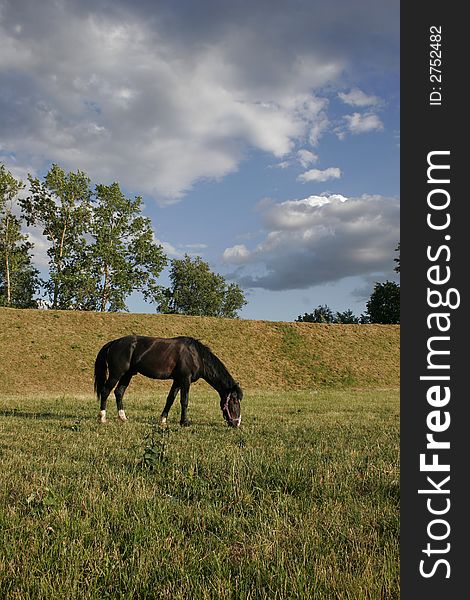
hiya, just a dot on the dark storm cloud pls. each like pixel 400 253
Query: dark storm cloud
pixel 319 240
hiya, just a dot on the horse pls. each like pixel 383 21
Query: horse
pixel 182 359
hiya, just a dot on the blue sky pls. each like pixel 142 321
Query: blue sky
pixel 263 136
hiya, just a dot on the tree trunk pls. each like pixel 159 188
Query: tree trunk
pixel 7 277
pixel 104 295
pixel 59 264
pixel 7 260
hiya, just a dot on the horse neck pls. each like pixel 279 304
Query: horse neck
pixel 220 380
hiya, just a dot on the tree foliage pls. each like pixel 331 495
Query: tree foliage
pixel 397 260
pixel 61 207
pixel 384 303
pixel 324 314
pixel 347 317
pixel 18 277
pixel 123 256
pixel 321 314
pixel 101 247
pixel 196 290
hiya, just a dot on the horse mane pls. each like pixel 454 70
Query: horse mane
pixel 213 367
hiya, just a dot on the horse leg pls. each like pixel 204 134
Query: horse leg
pixel 169 402
pixel 107 388
pixel 184 399
pixel 119 393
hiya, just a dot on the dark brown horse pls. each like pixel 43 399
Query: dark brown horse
pixel 182 359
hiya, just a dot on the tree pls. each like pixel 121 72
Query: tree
pixel 196 290
pixel 324 314
pixel 321 314
pixel 123 256
pixel 397 260
pixel 101 247
pixel 61 206
pixel 347 317
pixel 18 278
pixel 384 303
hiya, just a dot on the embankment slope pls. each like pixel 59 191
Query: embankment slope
pixel 45 351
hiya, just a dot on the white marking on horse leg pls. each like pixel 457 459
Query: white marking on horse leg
pixel 122 415
pixel 163 421
pixel 102 416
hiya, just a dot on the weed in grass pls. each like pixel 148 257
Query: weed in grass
pixel 155 451
pixel 42 499
pixel 76 426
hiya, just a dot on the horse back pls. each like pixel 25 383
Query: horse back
pixel 165 358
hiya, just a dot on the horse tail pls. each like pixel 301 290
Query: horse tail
pixel 101 368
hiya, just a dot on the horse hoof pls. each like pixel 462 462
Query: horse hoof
pixel 101 419
pixel 122 416
pixel 163 422
pixel 185 423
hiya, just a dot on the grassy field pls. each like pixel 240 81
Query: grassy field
pixel 301 502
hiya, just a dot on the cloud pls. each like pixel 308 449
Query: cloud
pixel 238 254
pixel 41 246
pixel 160 116
pixel 195 246
pixel 320 175
pixel 318 128
pixel 363 123
pixel 284 164
pixel 319 239
pixel 161 96
pixel 169 249
pixel 306 158
pixel 357 97
pixel 181 249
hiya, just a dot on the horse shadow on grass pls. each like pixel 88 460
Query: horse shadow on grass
pixel 41 415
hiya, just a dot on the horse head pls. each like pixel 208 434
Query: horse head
pixel 230 405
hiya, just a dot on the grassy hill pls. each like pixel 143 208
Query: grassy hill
pixel 54 351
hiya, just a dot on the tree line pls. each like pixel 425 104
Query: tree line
pixel 383 306
pixel 100 249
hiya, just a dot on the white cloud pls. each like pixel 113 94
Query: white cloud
pixel 320 239
pixel 238 254
pixel 318 128
pixel 195 246
pixel 120 98
pixel 284 164
pixel 357 97
pixel 180 250
pixel 296 214
pixel 363 123
pixel 169 249
pixel 41 246
pixel 320 175
pixel 306 158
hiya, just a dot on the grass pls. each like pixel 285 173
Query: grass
pixel 301 502
pixel 43 351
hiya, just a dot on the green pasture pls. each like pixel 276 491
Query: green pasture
pixel 302 501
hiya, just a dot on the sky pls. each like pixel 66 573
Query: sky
pixel 262 136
